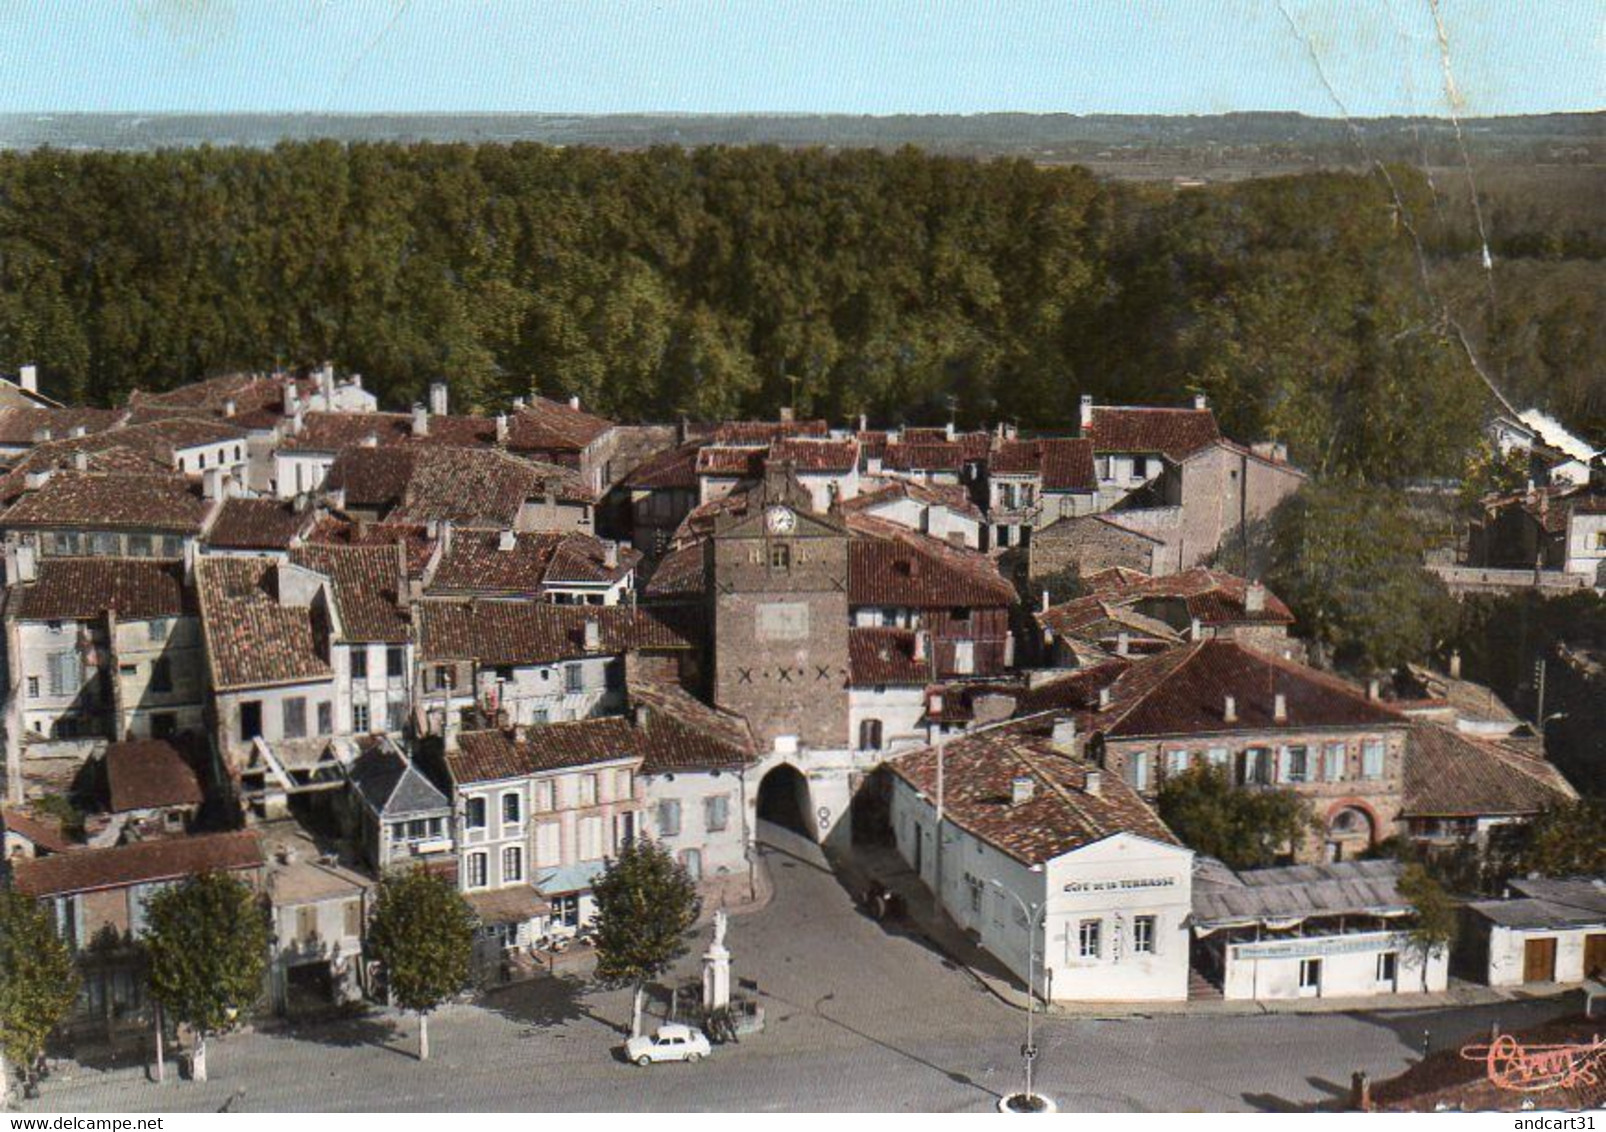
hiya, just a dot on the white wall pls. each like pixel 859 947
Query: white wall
pixel 296 472
pixel 723 851
pixel 1349 967
pixel 228 454
pixel 1506 947
pixel 899 708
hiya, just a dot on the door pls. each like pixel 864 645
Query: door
pixel 1595 956
pixel 1310 978
pixel 1539 961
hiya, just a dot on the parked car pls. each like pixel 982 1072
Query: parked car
pixel 672 1042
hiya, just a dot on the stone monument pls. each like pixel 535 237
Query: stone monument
pixel 717 968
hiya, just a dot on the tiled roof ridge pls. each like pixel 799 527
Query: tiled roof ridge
pixel 1177 658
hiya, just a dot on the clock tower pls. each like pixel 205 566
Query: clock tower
pixel 780 616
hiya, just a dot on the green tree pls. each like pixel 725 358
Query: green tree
pixel 207 944
pixel 422 934
pixel 646 903
pixel 38 983
pixel 1564 841
pixel 1348 559
pixel 1245 829
pixel 1433 915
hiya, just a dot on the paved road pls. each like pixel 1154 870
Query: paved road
pixel 859 1018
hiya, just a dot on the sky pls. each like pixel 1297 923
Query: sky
pixel 1322 57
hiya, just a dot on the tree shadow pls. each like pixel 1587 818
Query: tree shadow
pixel 347 1030
pixel 546 1001
pixel 1270 1102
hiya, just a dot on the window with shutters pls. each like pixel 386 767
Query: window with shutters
pixel 1333 762
pixel 548 845
pixel 359 662
pixel 1372 758
pixel 395 662
pixel 66 673
pixel 474 813
pixel 476 870
pixel 512 865
pixel 588 789
pixel 1143 935
pixel 359 718
pixel 574 678
pixel 295 718
pixel 158 631
pixel 326 718
pixel 512 810
pixel 1296 767
pixel 353 918
pixel 716 812
pixel 669 818
pixel 306 923
pixel 546 795
pixel 162 675
pixel 1089 939
pixel 591 847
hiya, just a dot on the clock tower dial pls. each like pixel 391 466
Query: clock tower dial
pixel 780 520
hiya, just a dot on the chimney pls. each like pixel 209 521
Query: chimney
pixel 864 422
pixel 1093 783
pixel 507 540
pixel 640 714
pixel 77 431
pixel 1021 788
pixel 1455 664
pixel 1229 709
pixel 1195 630
pixel 948 430
pixel 1123 643
pixel 36 479
pixel 326 382
pixel 42 435
pixel 212 484
pixel 230 407
pixel 446 536
pixel 920 645
pixel 574 403
pixel 80 461
pixel 593 635
pixel 292 397
pixel 788 414
pixel 1104 698
pixel 520 402
pixel 1374 690
pixel 1279 711
pixel 438 399
pixel 1200 402
pixel 1064 739
pixel 420 420
pixel 934 704
pixel 501 428
pixel 1087 411
pixel 28 378
pixel 610 555
pixel 1046 604
pixel 1254 598
pixel 370 441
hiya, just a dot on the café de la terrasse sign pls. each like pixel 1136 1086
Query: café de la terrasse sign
pixel 1123 885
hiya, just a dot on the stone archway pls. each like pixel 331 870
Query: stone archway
pixel 783 800
pixel 1351 829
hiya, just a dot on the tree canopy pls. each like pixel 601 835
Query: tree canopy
pixel 720 281
pixel 1348 558
pixel 1245 829
pixel 646 902
pixel 422 934
pixel 1564 841
pixel 38 982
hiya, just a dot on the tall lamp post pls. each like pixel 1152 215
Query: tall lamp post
pixel 1034 914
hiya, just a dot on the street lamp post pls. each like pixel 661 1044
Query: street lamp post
pixel 1034 914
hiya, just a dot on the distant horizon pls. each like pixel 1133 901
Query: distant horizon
pixel 1321 58
pixel 1332 118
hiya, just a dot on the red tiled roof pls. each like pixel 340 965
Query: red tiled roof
pixel 23 424
pixel 255 524
pixel 766 432
pixel 1183 692
pixel 476 563
pixel 94 500
pixel 536 632
pixel 1213 596
pixel 334 531
pixel 817 455
pixel 489 756
pixel 252 639
pixel 672 468
pixel 470 487
pixel 891 566
pixel 720 460
pixel 45 833
pixel 1175 433
pixel 79 589
pixel 141 862
pixel 149 774
pixel 335 432
pixel 366 582
pixel 907 457
pixel 248 391
pixel 950 495
pixel 885 656
pixel 1063 463
pixel 1450 773
pixel 979 771
pixel 680 576
pixel 583 559
pixel 545 425
pixel 1078 691
pixel 683 733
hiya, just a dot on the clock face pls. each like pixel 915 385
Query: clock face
pixel 780 520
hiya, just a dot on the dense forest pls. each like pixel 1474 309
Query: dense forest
pixel 719 281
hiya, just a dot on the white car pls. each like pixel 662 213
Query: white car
pixel 672 1042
